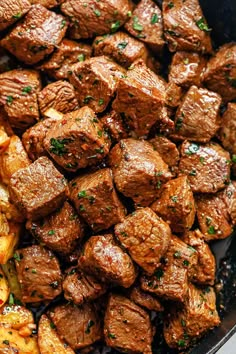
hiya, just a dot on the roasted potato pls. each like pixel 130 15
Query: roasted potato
pixel 9 242
pixel 12 342
pixel 17 317
pixel 11 212
pixel 4 288
pixel 4 226
pixel 9 270
pixel 4 141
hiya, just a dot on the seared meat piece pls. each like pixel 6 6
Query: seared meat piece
pixel 145 236
pixel 38 190
pixel 127 326
pixel 173 95
pixel 95 18
pixel 77 141
pixel 141 97
pixel 95 81
pixel 78 326
pixel 103 258
pixel 11 11
pixel 145 299
pixel 59 95
pixel 115 126
pixel 146 25
pixel 36 36
pixel 186 69
pixel 206 266
pixel 47 3
pixel 227 131
pixel 60 231
pixel 230 200
pixel 167 149
pixel 197 117
pixel 95 199
pixel 197 316
pixel 220 74
pixel 18 94
pixel 39 274
pixel 185 26
pixel 170 281
pixel 80 287
pixel 207 166
pixel 176 204
pixel 138 170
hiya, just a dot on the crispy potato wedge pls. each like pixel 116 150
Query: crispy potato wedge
pixel 8 243
pixel 12 342
pixel 4 141
pixel 4 226
pixel 9 270
pixel 16 317
pixel 11 212
pixel 4 288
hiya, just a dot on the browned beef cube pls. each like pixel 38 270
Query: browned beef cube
pixel 95 199
pixel 170 281
pixel 39 274
pixel 46 3
pixel 95 81
pixel 60 231
pixel 80 287
pixel 186 69
pixel 207 166
pixel 78 326
pixel 206 266
pixel 145 299
pixel 59 95
pixel 197 117
pixel 11 11
pixel 77 141
pixel 230 200
pixel 141 97
pixel 145 236
pixel 39 189
pixel 220 72
pixel 227 131
pixel 197 316
pixel 146 24
pixel 167 150
pixel 103 258
pixel 127 326
pixel 176 204
pixel 173 95
pixel 18 94
pixel 185 26
pixel 95 18
pixel 138 170
pixel 115 126
pixel 36 36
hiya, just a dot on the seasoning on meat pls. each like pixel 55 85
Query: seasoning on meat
pixel 114 124
pixel 47 3
pixel 227 132
pixel 145 299
pixel 166 149
pixel 11 11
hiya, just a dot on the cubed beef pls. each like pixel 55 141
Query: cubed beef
pixel 227 131
pixel 173 95
pixel 197 316
pixel 95 81
pixel 103 258
pixel 39 189
pixel 141 97
pixel 185 26
pixel 78 326
pixel 197 118
pixel 138 170
pixel 77 141
pixel 127 326
pixel 170 281
pixel 145 236
pixel 186 69
pixel 207 166
pixel 115 125
pixel 166 149
pixel 59 95
pixel 146 25
pixel 95 18
pixel 206 266
pixel 176 204
pixel 145 299
pixel 60 231
pixel 95 199
pixel 39 274
pixel 80 287
pixel 230 200
pixel 47 3
pixel 36 36
pixel 11 11
pixel 18 94
pixel 220 74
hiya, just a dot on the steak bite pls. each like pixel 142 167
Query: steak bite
pixel 185 26
pixel 227 132
pixel 11 11
pixel 145 236
pixel 30 41
pixel 176 204
pixel 39 274
pixel 166 149
pixel 173 96
pixel 114 124
pixel 95 199
pixel 146 24
pixel 103 258
pixel 127 327
pixel 47 3
pixel 207 166
pixel 77 141
pixel 145 299
pixel 95 18
pixel 38 190
pixel 220 73
pixel 138 170
pixel 95 81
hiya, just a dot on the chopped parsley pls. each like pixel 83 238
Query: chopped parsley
pixel 193 172
pixel 11 299
pixel 211 230
pixel 52 325
pixel 9 100
pixel 192 149
pixel 186 263
pixel 183 323
pixel 159 273
pixel 17 257
pixel 177 254
pixel 202 25
pixel 82 194
pixel 5 341
pixel 233 158
pixel 136 25
pixel 63 23
pixel 51 232
pixel 181 343
pixel 174 198
pixel 58 146
pixel 179 123
pixel 97 12
pixel 170 5
pixel 34 271
pixel 111 335
pixel 26 90
pixel 115 26
pixel 87 99
pixel 81 57
pixel 122 45
pixel 154 19
pixel 17 16
pixel 89 325
pixel 100 101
